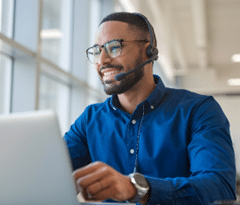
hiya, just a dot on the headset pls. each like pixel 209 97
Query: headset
pixel 151 51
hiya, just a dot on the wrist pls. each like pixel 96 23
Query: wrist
pixel 132 190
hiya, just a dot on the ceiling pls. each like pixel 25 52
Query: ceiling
pixel 196 40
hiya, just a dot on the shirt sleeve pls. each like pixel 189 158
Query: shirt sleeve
pixel 212 162
pixel 76 141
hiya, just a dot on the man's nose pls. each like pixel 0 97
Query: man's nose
pixel 104 58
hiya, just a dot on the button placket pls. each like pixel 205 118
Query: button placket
pixel 132 151
pixel 132 134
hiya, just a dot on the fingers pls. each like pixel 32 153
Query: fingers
pixel 104 194
pixel 94 177
pixel 100 186
pixel 96 182
pixel 79 173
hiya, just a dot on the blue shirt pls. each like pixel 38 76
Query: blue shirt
pixel 185 150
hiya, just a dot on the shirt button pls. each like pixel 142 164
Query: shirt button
pixel 134 122
pixel 132 151
pixel 152 107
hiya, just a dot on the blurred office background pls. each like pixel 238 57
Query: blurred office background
pixel 43 64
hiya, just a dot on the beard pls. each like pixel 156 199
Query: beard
pixel 126 83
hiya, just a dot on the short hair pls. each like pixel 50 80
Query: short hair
pixel 133 19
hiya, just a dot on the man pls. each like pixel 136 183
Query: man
pixel 147 143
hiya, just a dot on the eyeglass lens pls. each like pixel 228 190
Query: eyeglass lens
pixel 112 48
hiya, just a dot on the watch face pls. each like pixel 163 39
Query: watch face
pixel 141 181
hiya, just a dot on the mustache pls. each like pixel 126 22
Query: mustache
pixel 110 66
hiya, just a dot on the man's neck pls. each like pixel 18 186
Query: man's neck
pixel 137 94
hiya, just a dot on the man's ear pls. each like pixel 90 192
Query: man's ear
pixel 144 51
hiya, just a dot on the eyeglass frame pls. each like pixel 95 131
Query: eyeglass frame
pixel 104 46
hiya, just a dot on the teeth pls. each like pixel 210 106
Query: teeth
pixel 108 73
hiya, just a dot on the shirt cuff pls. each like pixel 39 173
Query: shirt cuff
pixel 160 190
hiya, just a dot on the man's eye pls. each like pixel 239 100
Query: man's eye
pixel 96 51
pixel 114 48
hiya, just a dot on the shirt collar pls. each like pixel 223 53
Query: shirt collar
pixel 153 99
pixel 156 96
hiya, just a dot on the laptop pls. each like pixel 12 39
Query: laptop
pixel 34 165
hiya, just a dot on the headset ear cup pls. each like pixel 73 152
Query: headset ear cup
pixel 152 51
pixel 155 53
pixel 149 52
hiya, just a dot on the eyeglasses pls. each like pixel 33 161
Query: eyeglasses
pixel 112 48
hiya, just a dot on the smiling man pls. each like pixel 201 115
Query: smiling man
pixel 146 143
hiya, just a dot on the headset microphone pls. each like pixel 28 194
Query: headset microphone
pixel 121 76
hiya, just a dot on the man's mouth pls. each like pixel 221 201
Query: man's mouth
pixel 109 74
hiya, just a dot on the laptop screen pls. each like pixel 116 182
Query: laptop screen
pixel 35 166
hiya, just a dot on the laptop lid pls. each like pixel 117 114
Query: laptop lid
pixel 34 163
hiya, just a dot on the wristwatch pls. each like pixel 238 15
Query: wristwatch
pixel 141 184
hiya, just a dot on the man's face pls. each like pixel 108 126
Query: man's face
pixel 131 56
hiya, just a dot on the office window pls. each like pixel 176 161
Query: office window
pixel 6 17
pixel 26 23
pixel 94 19
pixel 55 95
pixel 5 83
pixel 42 62
pixel 56 32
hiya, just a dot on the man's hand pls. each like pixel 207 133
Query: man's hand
pixel 99 181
